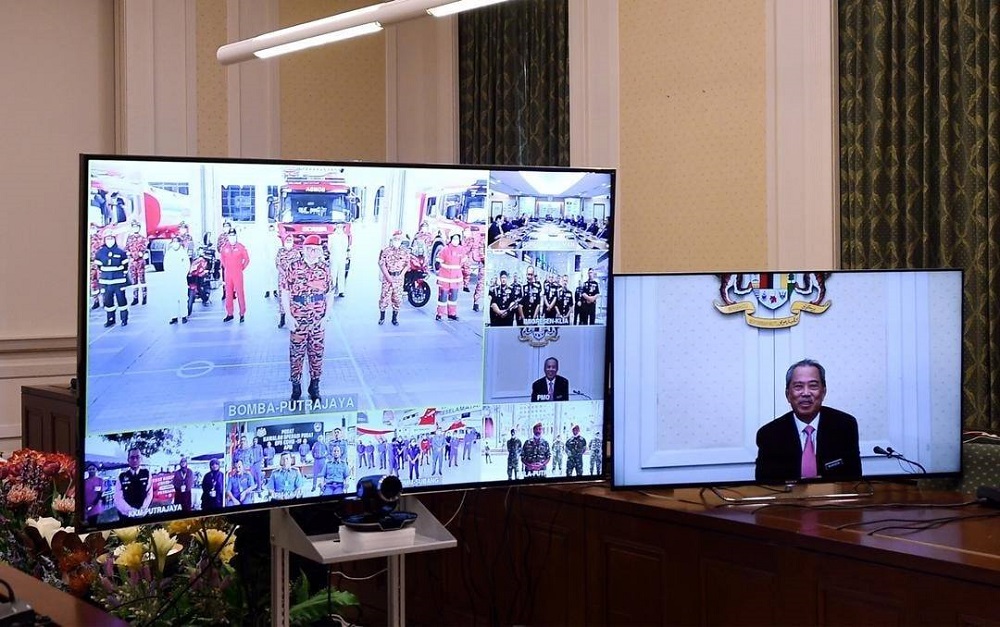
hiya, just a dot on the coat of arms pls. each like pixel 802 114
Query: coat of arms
pixel 773 291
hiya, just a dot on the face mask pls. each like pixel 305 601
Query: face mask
pixel 289 244
pixel 135 229
pixel 109 243
pixel 176 245
pixel 233 239
pixel 396 243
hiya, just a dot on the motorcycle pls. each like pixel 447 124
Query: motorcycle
pixel 200 279
pixel 418 292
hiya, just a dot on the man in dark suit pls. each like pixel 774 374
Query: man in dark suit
pixel 495 230
pixel 551 387
pixel 811 441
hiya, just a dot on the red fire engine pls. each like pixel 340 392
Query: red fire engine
pixel 314 201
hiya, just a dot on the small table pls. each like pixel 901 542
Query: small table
pixel 287 536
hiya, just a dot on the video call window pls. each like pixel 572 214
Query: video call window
pixel 884 370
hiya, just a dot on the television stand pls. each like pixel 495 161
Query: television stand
pixel 795 492
pixel 426 533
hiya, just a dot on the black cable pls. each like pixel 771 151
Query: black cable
pixel 832 506
pixel 10 591
pixel 533 589
pixel 934 523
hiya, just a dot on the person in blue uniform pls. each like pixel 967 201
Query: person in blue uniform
pixel 437 452
pixel 335 473
pixel 319 453
pixel 241 486
pixel 286 482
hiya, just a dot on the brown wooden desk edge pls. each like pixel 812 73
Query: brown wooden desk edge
pixel 911 553
pixel 63 608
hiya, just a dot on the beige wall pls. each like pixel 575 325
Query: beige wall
pixel 210 28
pixel 692 181
pixel 57 101
pixel 332 98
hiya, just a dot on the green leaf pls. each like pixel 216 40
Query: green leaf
pixel 317 606
pixel 300 589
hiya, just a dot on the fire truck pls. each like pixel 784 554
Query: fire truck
pixel 314 201
pixel 452 210
pixel 116 200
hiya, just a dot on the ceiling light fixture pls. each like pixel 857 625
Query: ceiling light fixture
pixel 356 23
pixel 462 5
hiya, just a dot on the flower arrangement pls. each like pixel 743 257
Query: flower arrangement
pixel 34 485
pixel 179 573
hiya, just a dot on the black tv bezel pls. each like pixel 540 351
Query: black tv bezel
pixel 83 310
pixel 609 400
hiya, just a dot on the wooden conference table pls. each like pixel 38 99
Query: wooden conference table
pixel 584 554
pixel 548 236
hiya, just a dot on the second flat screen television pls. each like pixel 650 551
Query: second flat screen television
pixel 260 333
pixel 700 363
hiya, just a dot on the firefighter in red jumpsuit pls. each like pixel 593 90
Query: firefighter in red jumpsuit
pixel 137 247
pixel 449 277
pixel 305 286
pixel 96 241
pixel 235 259
pixel 393 262
pixel 477 255
pixel 282 259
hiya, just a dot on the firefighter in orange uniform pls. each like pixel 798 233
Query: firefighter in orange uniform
pixel 187 241
pixel 425 237
pixel 304 288
pixel 393 262
pixel 449 277
pixel 282 259
pixel 137 247
pixel 235 259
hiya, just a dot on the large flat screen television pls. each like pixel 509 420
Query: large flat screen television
pixel 701 365
pixel 259 333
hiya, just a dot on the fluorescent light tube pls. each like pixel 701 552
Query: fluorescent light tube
pixel 319 40
pixel 461 5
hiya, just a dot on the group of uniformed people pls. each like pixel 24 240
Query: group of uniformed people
pixel 455 262
pixel 532 456
pixel 248 482
pixel 543 302
pixel 301 275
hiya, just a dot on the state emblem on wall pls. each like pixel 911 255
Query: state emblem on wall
pixel 774 291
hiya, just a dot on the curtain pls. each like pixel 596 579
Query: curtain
pixel 513 84
pixel 919 141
